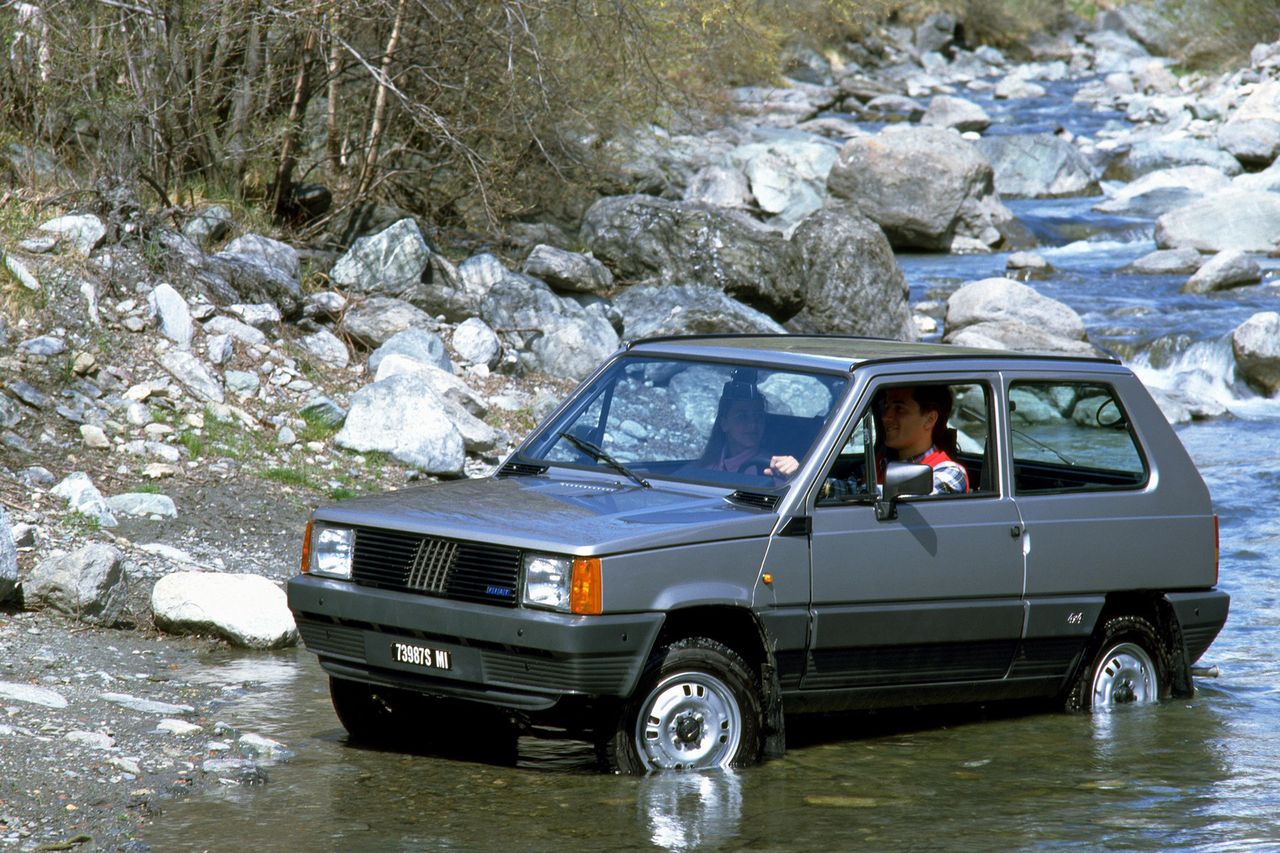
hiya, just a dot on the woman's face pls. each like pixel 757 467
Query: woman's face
pixel 743 425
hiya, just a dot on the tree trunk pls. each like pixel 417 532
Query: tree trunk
pixel 283 188
pixel 380 107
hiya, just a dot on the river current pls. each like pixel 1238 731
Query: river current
pixel 1197 774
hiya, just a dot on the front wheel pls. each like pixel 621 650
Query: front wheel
pixel 1128 666
pixel 697 707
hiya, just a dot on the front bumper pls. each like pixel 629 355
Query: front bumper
pixel 511 657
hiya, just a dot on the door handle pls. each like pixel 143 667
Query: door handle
pixel 1015 531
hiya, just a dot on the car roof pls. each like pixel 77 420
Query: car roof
pixel 842 352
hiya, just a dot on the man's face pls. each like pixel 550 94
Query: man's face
pixel 744 424
pixel 906 429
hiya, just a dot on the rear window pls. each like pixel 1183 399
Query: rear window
pixel 1072 436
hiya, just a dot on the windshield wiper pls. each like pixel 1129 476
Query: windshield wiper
pixel 601 456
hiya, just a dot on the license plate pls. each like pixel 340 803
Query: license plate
pixel 423 656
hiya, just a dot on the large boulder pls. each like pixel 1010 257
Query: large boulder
pixel 651 240
pixel 1254 142
pixel 570 271
pixel 403 417
pixel 1163 190
pixel 1256 345
pixel 1231 268
pixel 82 496
pixel 554 334
pixel 1155 154
pixel 1005 313
pixel 255 269
pixel 83 231
pixel 379 318
pixel 246 610
pixel 694 309
pixel 787 175
pixel 852 282
pixel 460 405
pixel 1263 103
pixel 957 113
pixel 926 187
pixel 1232 219
pixel 389 263
pixel 1039 165
pixel 89 584
pixel 418 344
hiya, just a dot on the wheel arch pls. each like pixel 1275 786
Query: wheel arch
pixel 740 629
pixel 1153 606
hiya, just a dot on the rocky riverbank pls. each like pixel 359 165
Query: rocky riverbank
pixel 177 394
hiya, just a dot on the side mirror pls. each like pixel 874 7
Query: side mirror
pixel 901 479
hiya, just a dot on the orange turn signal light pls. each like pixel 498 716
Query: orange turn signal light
pixel 586 591
pixel 306 549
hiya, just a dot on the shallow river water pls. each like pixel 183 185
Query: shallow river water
pixel 1198 774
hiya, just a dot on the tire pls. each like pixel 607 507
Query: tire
pixel 369 714
pixel 697 707
pixel 1127 665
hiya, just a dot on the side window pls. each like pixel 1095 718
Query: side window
pixel 1071 436
pixel 946 425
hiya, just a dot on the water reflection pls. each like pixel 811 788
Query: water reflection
pixel 690 811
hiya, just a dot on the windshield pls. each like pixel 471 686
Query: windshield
pixel 707 422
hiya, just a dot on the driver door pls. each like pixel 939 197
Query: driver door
pixel 933 595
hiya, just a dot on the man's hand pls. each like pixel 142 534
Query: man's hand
pixel 782 466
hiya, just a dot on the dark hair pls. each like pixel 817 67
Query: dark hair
pixel 937 398
pixel 734 391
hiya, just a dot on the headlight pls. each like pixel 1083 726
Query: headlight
pixel 331 551
pixel 570 585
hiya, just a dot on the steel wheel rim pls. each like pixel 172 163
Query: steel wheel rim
pixel 1126 675
pixel 689 721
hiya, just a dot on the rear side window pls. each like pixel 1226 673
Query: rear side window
pixel 1072 436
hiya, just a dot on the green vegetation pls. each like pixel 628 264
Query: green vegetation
pixel 80 523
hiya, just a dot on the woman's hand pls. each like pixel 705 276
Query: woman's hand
pixel 782 466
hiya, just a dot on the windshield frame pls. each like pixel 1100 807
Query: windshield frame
pixel 601 387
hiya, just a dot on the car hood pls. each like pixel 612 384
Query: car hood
pixel 575 516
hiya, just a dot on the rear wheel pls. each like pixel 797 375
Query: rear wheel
pixel 697 707
pixel 1128 665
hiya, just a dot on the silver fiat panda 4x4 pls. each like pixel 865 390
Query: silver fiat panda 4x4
pixel 713 534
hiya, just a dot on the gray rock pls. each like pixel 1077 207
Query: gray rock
pixel 480 272
pixel 476 343
pixel 143 504
pixel 192 375
pixel 852 282
pixel 787 175
pixel 719 186
pixel 936 33
pixel 89 584
pixel 255 269
pixel 1254 142
pixel 84 231
pixel 82 496
pixel 1017 86
pixel 462 406
pixel 94 437
pixel 327 348
pixel 389 263
pixel 376 320
pixel 1230 268
pixel 10 413
pixel 1256 346
pixel 242 383
pixel 924 186
pixel 208 226
pixel 21 272
pixel 8 559
pixel 572 347
pixel 31 694
pixel 218 348
pixel 328 304
pixel 173 314
pixel 650 240
pixel 1167 262
pixel 569 271
pixel 693 309
pixel 233 328
pixel 1263 103
pixel 45 345
pixel 262 317
pixel 894 106
pixel 145 706
pixel 263 748
pixel 951 112
pixel 1231 219
pixel 415 343
pixel 406 419
pixel 1164 189
pixel 31 395
pixel 1019 336
pixel 323 410
pixel 1153 155
pixel 1000 300
pixel 246 610
pixel 1041 165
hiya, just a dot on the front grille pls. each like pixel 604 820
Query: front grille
pixel 446 568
